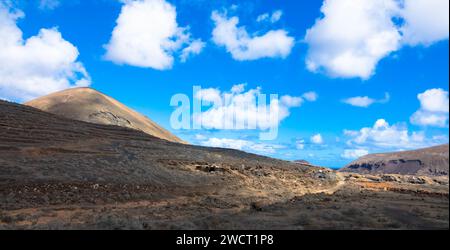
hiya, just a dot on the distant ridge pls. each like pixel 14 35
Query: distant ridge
pixel 89 105
pixel 429 161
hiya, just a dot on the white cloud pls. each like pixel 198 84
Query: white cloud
pixel 36 66
pixel 275 17
pixel 238 88
pixel 383 135
pixel 429 119
pixel 310 96
pixel 240 107
pixel 359 101
pixel 426 21
pixel 263 17
pixel 49 4
pixel 243 46
pixel 365 101
pixel 226 143
pixel 194 48
pixel 354 153
pixel 317 139
pixel 242 145
pixel 147 35
pixel 434 100
pixel 210 95
pixel 354 35
pixel 291 101
pixel 434 109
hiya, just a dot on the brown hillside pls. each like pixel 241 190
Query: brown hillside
pixel 428 161
pixel 89 105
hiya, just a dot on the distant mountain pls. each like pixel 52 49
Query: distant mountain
pixel 89 105
pixel 429 161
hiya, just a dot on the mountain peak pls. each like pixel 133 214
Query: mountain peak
pixel 89 105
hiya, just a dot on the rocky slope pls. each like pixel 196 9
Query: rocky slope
pixel 89 105
pixel 48 159
pixel 432 161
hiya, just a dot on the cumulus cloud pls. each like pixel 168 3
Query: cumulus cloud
pixel 426 21
pixel 237 109
pixel 317 139
pixel 383 135
pixel 365 101
pixel 340 48
pixel 434 100
pixel 243 46
pixel 433 109
pixel 147 35
pixel 38 65
pixel 344 49
pixel 354 153
pixel 242 145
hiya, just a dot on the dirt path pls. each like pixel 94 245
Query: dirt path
pixel 331 190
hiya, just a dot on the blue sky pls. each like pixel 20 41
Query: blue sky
pixel 394 69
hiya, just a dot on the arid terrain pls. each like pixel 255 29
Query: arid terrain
pixel 431 161
pixel 59 173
